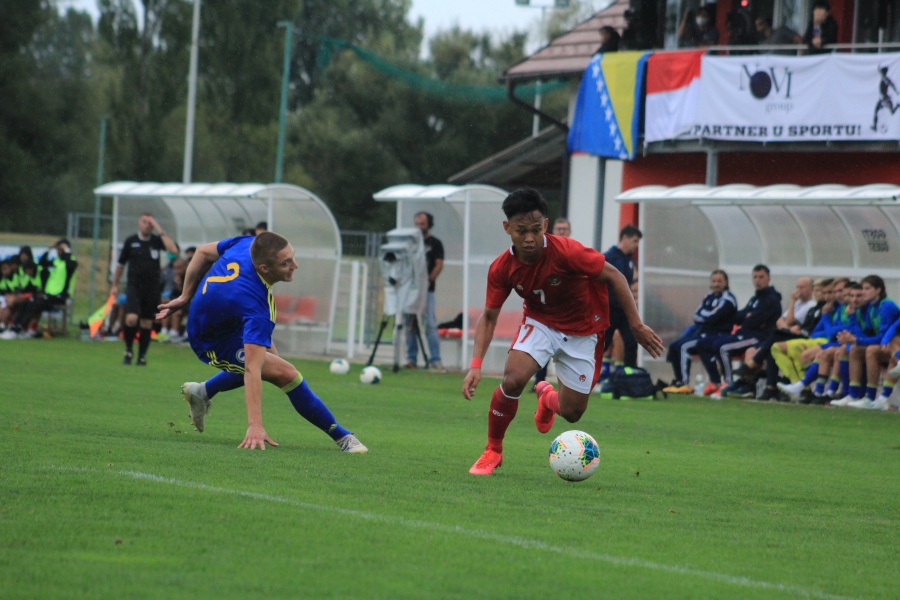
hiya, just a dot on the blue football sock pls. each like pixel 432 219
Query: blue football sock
pixel 844 372
pixel 222 382
pixel 820 386
pixel 833 386
pixel 812 373
pixel 871 392
pixel 312 408
pixel 855 390
pixel 887 390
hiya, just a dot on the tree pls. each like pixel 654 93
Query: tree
pixel 47 116
pixel 420 123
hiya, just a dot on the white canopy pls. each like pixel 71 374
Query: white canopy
pixel 199 213
pixel 468 221
pixel 819 231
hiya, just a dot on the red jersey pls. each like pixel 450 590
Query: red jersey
pixel 558 290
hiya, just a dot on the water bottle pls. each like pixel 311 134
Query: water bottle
pixel 698 385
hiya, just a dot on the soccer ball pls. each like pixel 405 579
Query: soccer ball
pixel 339 366
pixel 574 455
pixel 370 374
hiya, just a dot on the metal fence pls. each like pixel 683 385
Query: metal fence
pixel 364 245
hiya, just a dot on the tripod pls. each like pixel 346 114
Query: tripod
pixel 398 330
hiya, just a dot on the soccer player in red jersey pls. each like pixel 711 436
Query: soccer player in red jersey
pixel 564 288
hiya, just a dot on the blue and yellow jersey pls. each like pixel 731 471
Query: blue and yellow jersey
pixel 232 300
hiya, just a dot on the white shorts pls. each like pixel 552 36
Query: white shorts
pixel 574 355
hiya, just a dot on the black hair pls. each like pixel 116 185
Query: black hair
pixel 612 41
pixel 630 231
pixel 262 225
pixel 524 201
pixel 822 4
pixel 428 216
pixel 761 267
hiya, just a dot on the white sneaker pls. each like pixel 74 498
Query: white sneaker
pixel 350 444
pixel 9 334
pixel 861 403
pixel 879 403
pixel 792 389
pixel 894 373
pixel 843 401
pixel 195 395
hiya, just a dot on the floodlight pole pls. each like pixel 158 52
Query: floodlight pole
pixel 282 111
pixel 192 97
pixel 95 241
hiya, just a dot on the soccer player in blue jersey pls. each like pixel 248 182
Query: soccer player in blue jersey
pixel 230 326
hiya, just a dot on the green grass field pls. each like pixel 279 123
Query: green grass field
pixel 107 492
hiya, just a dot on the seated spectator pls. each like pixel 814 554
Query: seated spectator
pixel 756 322
pixel 609 40
pixel 880 315
pixel 739 26
pixel 172 282
pixel 714 317
pixel 822 31
pixel 830 370
pixel 50 292
pixel 800 318
pixel 782 36
pixel 793 356
pixel 697 30
pixel 881 356
pixel 7 292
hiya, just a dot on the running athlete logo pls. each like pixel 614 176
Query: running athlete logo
pixel 885 85
pixel 582 378
pixel 239 355
pixel 234 269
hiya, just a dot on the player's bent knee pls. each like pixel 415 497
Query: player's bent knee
pixel 571 414
pixel 514 385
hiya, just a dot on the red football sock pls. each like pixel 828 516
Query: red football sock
pixel 502 412
pixel 550 398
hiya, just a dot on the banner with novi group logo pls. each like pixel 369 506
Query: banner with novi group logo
pixel 831 97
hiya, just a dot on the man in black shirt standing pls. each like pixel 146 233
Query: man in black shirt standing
pixel 621 257
pixel 141 253
pixel 434 258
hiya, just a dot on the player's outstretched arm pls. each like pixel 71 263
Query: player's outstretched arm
pixel 256 437
pixel 484 333
pixel 203 260
pixel 618 285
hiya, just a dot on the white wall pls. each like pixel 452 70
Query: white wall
pixel 594 216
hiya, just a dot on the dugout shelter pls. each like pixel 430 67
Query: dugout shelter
pixel 199 213
pixel 819 231
pixel 468 220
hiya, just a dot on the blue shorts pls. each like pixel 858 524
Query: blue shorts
pixel 226 354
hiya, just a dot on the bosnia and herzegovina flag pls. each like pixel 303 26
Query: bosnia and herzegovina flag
pixel 608 107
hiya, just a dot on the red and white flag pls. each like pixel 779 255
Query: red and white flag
pixel 673 94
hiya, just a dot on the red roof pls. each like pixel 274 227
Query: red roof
pixel 571 52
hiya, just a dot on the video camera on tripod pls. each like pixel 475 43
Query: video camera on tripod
pixel 403 267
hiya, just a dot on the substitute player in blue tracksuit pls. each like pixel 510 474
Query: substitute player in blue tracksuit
pixel 232 316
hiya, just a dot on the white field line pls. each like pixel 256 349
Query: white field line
pixel 509 540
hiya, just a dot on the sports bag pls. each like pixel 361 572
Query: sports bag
pixel 632 382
